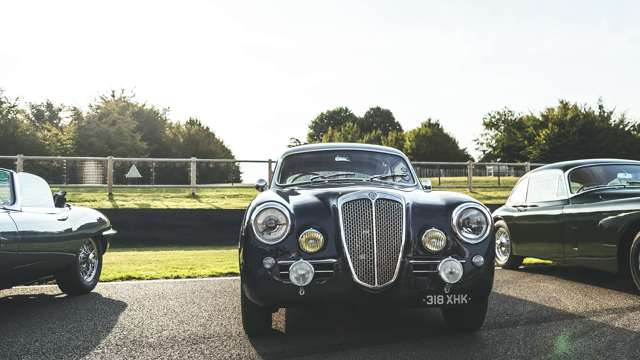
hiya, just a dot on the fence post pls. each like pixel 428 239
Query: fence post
pixel 20 163
pixel 193 176
pixel 470 175
pixel 270 172
pixel 527 167
pixel 110 177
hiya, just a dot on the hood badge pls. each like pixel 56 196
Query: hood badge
pixel 373 195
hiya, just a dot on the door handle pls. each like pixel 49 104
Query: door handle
pixel 63 218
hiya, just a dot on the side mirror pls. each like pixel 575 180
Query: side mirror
pixel 60 199
pixel 426 184
pixel 261 185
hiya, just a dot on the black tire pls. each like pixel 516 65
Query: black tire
pixel 73 280
pixel 466 318
pixel 634 261
pixel 256 320
pixel 504 256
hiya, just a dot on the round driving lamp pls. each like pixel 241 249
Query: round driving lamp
pixel 450 270
pixel 271 223
pixel 301 273
pixel 311 241
pixel 471 222
pixel 434 240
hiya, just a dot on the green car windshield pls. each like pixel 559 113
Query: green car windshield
pixel 344 166
pixel 601 176
pixel 6 195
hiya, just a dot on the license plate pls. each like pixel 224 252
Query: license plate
pixel 446 299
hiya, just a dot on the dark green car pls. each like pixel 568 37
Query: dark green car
pixel 583 213
pixel 42 237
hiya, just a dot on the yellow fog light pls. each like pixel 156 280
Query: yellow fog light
pixel 311 241
pixel 434 240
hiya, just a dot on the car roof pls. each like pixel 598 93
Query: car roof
pixel 568 165
pixel 342 146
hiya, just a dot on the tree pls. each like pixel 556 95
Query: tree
pixel 377 118
pixel 193 138
pixel 564 132
pixel 572 131
pixel 377 126
pixel 151 124
pixel 54 131
pixel 507 136
pixel 16 133
pixel 334 119
pixel 430 142
pixel 109 128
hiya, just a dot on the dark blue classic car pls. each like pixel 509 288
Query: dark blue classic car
pixel 351 223
pixel 577 213
pixel 42 237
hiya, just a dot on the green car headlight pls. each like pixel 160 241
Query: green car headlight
pixel 311 241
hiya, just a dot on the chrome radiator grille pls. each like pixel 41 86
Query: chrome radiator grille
pixel 373 236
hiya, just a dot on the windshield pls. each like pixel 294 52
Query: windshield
pixel 6 195
pixel 344 166
pixel 597 176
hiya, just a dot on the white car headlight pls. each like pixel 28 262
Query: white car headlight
pixel 271 223
pixel 471 222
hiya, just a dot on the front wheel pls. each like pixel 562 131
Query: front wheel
pixel 83 276
pixel 504 256
pixel 466 318
pixel 634 261
pixel 256 320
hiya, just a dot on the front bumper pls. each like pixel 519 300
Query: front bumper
pixel 417 284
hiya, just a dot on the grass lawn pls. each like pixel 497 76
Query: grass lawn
pixel 174 198
pixel 169 263
pixel 182 262
pixel 232 198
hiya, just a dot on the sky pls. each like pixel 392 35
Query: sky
pixel 257 72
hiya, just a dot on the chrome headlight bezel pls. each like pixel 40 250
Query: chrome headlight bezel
pixel 266 206
pixel 465 237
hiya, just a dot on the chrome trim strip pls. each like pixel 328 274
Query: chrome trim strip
pixel 375 241
pixel 425 262
pixel 425 271
pixel 312 262
pixel 364 194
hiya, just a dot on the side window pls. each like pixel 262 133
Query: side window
pixel 544 186
pixel 34 191
pixel 6 192
pixel 519 193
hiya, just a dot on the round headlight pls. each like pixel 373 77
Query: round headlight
pixel 311 241
pixel 471 222
pixel 434 240
pixel 450 270
pixel 271 223
pixel 301 273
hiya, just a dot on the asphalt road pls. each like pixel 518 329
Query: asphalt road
pixel 535 313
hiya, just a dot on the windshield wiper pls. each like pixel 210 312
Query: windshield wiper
pixel 327 177
pixel 386 176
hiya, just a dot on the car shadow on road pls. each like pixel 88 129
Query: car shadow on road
pixel 43 326
pixel 515 328
pixel 585 276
